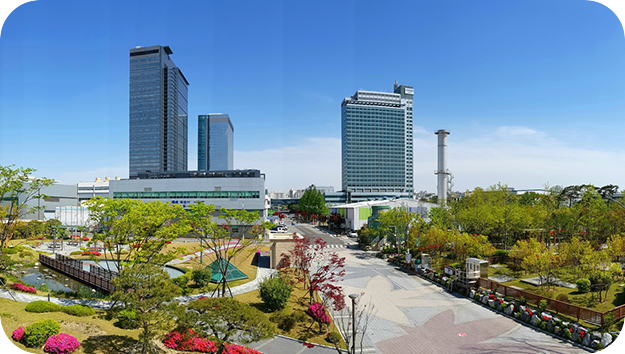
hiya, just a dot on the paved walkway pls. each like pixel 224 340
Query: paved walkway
pixel 412 315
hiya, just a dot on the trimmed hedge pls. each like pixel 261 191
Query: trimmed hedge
pixel 46 306
pixel 42 306
pixel 37 333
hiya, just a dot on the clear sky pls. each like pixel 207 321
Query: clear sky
pixel 532 91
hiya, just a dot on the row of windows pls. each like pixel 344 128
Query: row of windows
pixel 201 194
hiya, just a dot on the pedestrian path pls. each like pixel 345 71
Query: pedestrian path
pixel 197 254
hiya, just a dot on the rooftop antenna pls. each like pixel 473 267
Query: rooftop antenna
pixel 396 85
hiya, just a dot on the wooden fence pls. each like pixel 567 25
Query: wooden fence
pixel 77 273
pixel 580 313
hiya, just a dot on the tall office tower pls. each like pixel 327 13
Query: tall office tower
pixel 215 142
pixel 158 112
pixel 377 143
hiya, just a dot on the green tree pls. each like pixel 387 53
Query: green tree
pixel 237 230
pixel 225 318
pixel 134 232
pixel 396 223
pixel 17 191
pixel 146 289
pixel 312 202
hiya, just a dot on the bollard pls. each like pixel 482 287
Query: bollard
pixel 48 297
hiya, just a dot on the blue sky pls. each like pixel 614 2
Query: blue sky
pixel 531 90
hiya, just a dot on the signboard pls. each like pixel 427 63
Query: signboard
pixel 409 91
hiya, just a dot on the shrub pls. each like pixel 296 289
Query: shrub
pixel 566 333
pixel 202 277
pixel 78 310
pixel 61 344
pixel 522 301
pixel 583 285
pixel 563 297
pixel 275 292
pixel 189 341
pixel 334 337
pixel 542 305
pixel 24 288
pixel 286 322
pixel 37 333
pixel 42 306
pixel 75 253
pixel 500 253
pixel 18 334
pixel 127 319
pixel 318 313
pixel 543 326
pixel 239 349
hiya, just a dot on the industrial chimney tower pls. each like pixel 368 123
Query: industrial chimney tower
pixel 442 171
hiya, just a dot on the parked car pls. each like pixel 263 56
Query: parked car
pixel 353 234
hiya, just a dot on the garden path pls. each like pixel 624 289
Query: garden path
pixel 413 315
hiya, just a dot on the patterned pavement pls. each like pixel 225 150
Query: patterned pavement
pixel 412 315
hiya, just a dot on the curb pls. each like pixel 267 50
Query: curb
pixel 302 341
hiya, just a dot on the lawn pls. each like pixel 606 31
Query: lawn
pixel 298 303
pixel 95 334
pixel 616 294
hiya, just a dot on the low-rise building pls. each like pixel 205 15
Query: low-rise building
pixel 358 214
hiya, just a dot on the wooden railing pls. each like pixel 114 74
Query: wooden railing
pixel 77 273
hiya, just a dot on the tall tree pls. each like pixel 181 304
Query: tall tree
pixel 17 190
pixel 397 223
pixel 134 232
pixel 313 203
pixel 145 289
pixel 234 232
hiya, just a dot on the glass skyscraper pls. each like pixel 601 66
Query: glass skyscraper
pixel 215 142
pixel 158 112
pixel 377 143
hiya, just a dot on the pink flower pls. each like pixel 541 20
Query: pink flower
pixel 61 344
pixel 18 334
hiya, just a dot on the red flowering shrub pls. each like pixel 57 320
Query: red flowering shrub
pixel 24 288
pixel 318 313
pixel 491 296
pixel 61 344
pixel 95 253
pixel 501 301
pixel 189 341
pixel 85 238
pixel 18 334
pixel 238 349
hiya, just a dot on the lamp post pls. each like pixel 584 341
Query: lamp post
pixel 353 297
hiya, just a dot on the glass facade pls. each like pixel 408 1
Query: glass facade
pixel 158 112
pixel 215 142
pixel 189 195
pixel 377 142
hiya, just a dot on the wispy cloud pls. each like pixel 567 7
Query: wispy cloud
pixel 312 161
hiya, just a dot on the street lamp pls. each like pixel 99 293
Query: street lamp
pixel 353 297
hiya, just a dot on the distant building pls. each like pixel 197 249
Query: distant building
pixel 57 195
pixel 358 214
pixel 215 142
pixel 377 150
pixel 158 112
pixel 234 189
pixel 97 188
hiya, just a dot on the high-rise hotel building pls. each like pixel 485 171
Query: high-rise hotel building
pixel 158 112
pixel 377 146
pixel 215 142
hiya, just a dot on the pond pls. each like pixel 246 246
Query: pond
pixel 40 274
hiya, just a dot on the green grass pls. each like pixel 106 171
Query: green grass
pixel 298 303
pixel 95 334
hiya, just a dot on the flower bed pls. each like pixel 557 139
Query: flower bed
pixel 18 334
pixel 544 320
pixel 24 288
pixel 85 238
pixel 95 253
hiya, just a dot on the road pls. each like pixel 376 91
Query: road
pixel 305 229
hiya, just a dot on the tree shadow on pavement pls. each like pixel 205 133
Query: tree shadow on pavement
pixel 107 344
